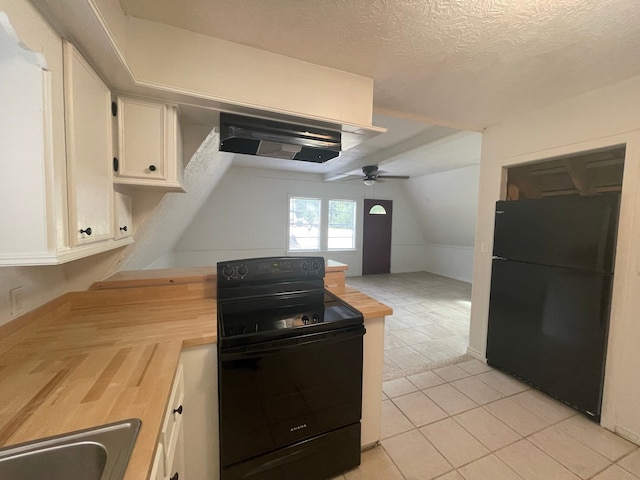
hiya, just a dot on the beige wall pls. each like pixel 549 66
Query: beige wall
pixel 607 116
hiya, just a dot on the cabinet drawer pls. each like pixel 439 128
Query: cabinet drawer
pixel 173 418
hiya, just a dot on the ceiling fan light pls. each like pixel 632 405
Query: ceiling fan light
pixel 369 182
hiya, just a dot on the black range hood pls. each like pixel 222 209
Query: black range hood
pixel 269 138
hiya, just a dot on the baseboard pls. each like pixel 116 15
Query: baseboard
pixel 624 433
pixel 476 354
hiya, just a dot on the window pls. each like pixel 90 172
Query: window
pixel 377 210
pixel 342 224
pixel 304 223
pixel 311 229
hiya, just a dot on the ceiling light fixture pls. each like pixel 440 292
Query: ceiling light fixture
pixel 369 182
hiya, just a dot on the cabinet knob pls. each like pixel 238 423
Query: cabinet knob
pixel 178 410
pixel 175 477
pixel 123 229
pixel 87 231
pixel 152 168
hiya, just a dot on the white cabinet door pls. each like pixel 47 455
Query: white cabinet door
pixel 123 225
pixel 200 419
pixel 149 145
pixel 177 469
pixel 89 154
pixel 157 470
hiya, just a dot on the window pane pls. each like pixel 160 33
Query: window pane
pixel 342 224
pixel 304 223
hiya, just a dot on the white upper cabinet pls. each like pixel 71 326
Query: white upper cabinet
pixel 89 155
pixel 124 224
pixel 149 145
pixel 55 179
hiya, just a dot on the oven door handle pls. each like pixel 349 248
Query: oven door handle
pixel 277 346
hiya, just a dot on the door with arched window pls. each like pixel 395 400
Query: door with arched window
pixel 376 236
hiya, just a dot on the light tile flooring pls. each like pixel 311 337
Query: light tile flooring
pixel 430 322
pixel 465 421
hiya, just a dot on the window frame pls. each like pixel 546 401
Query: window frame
pixel 324 224
pixel 320 215
pixel 355 227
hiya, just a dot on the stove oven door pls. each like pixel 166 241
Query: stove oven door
pixel 276 394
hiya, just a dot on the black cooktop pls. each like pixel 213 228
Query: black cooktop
pixel 264 299
pixel 244 322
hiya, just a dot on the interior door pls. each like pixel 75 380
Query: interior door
pixel 376 236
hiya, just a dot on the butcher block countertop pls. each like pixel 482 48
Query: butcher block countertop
pixel 111 353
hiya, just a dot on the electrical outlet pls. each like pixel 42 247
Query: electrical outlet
pixel 17 301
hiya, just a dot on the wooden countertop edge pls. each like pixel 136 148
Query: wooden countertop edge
pixel 176 276
pixel 369 307
pixel 157 277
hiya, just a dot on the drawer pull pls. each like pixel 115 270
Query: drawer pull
pixel 175 477
pixel 178 411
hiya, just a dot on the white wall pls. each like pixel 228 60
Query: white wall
pixel 247 214
pixel 446 205
pixel 604 117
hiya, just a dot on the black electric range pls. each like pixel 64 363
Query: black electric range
pixel 290 372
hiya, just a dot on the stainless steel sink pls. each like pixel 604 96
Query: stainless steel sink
pixel 99 453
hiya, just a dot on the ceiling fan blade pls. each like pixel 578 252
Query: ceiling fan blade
pixel 403 177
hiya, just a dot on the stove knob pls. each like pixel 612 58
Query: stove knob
pixel 243 270
pixel 316 318
pixel 227 271
pixel 315 266
pixel 305 266
pixel 305 319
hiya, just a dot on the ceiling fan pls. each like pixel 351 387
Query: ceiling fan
pixel 372 175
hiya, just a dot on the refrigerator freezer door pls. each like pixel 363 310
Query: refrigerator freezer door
pixel 572 232
pixel 548 326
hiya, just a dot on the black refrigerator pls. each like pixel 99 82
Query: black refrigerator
pixel 551 282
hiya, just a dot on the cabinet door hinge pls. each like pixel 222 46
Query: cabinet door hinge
pixel 114 109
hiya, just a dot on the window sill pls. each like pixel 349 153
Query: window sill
pixel 321 252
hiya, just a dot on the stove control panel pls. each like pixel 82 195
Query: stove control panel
pixel 270 269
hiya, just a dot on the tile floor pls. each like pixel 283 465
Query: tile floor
pixel 429 327
pixel 463 420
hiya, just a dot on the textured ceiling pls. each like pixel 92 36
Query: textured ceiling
pixel 465 63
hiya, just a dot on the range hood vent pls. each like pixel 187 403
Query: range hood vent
pixel 269 138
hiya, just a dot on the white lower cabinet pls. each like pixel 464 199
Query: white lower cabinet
pixel 176 469
pixel 157 470
pixel 171 436
pixel 169 460
pixel 192 414
pixel 200 418
pixel 373 366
